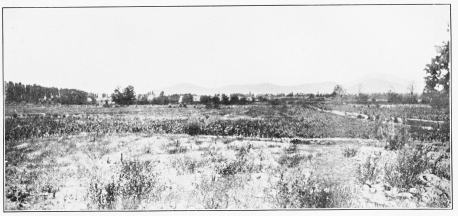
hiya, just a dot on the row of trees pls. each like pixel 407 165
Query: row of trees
pixel 20 93
pixel 128 96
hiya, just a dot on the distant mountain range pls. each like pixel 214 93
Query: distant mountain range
pixel 372 83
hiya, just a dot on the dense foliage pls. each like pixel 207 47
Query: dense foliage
pixel 268 122
pixel 20 93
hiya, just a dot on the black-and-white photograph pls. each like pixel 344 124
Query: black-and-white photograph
pixel 226 107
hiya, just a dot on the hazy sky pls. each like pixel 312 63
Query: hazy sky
pixel 97 49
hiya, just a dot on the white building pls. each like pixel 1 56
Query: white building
pixel 196 98
pixel 104 100
pixel 150 97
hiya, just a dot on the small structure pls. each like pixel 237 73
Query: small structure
pixel 150 97
pixel 104 100
pixel 196 98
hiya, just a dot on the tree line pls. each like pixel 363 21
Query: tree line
pixel 127 96
pixel 21 93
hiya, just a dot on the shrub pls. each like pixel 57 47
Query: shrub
pixel 137 181
pixel 292 148
pixel 184 165
pixel 215 190
pixel 350 151
pixel 410 162
pixel 242 164
pixel 177 148
pixel 298 189
pixel 399 139
pixel 291 160
pixel 371 170
pixel 193 129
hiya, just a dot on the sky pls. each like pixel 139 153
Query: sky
pixel 98 49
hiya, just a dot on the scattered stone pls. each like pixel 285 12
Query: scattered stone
pixel 412 205
pixel 405 195
pixel 425 199
pixel 387 187
pixel 259 195
pixel 365 187
pixel 425 178
pixel 24 205
pixel 422 204
pixel 378 187
pixel 413 191
pixel 372 190
pixel 380 199
pixel 391 193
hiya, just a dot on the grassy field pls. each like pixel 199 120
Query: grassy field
pixel 147 170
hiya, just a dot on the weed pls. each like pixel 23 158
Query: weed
pixel 177 148
pixel 371 170
pixel 293 148
pixel 410 162
pixel 185 165
pixel 291 160
pixel 193 129
pixel 350 151
pixel 242 164
pixel 298 189
pixel 136 181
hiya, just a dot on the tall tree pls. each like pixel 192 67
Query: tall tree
pixel 437 78
pixel 127 96
pixel 437 72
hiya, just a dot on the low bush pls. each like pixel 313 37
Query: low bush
pixel 298 189
pixel 177 148
pixel 242 164
pixel 399 140
pixel 410 162
pixel 136 181
pixel 350 151
pixel 193 129
pixel 185 165
pixel 291 160
pixel 371 170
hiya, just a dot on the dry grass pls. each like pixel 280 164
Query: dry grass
pixel 127 171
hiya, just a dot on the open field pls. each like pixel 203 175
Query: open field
pixel 246 157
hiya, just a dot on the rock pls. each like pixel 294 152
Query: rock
pixel 380 199
pixel 378 187
pixel 24 205
pixel 422 204
pixel 391 194
pixel 365 187
pixel 413 191
pixel 405 195
pixel 366 195
pixel 387 187
pixel 412 205
pixel 425 199
pixel 425 178
pixel 259 195
pixel 362 116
